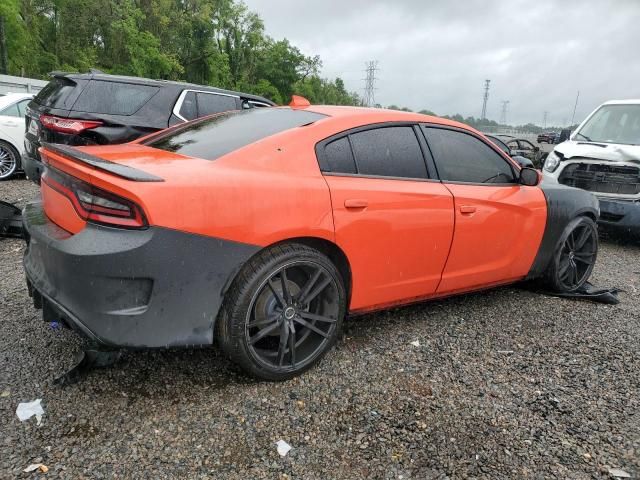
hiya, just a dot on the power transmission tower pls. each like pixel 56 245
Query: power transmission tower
pixel 503 114
pixel 484 99
pixel 544 119
pixel 369 99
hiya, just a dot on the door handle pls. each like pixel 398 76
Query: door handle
pixel 467 209
pixel 356 203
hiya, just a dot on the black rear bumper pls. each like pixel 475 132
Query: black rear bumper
pixel 130 288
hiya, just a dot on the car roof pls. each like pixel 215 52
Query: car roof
pixel 9 98
pixel 378 115
pixel 158 83
pixel 631 101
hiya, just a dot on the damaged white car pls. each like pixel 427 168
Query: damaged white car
pixel 603 157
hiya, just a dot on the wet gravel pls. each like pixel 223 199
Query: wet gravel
pixel 503 384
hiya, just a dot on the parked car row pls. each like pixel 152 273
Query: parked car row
pixel 281 214
pixel 548 137
pixel 99 109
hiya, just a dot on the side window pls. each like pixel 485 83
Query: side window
pixel 189 109
pixel 339 157
pixel 11 111
pixel 389 152
pixel 210 103
pixel 461 157
pixel 22 107
pixel 524 145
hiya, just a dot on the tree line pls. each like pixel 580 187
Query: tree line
pixel 208 42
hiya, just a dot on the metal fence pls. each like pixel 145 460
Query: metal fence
pixel 11 84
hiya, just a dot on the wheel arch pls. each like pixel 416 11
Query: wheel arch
pixel 327 247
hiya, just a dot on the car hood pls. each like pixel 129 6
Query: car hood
pixel 609 152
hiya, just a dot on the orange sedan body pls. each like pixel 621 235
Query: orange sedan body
pixel 367 188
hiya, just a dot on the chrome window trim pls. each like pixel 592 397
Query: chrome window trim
pixel 256 102
pixel 178 105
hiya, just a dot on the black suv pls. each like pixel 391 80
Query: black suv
pixel 97 109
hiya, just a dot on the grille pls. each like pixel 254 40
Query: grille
pixel 616 179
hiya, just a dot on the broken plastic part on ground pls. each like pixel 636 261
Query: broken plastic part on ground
pixel 87 360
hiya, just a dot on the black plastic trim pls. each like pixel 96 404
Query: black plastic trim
pixel 150 288
pixel 563 205
pixel 123 171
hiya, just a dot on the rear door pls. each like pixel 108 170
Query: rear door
pixel 393 220
pixel 498 222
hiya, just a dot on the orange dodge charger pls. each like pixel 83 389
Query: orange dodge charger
pixel 262 229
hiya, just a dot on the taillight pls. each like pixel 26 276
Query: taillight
pixel 67 125
pixel 94 204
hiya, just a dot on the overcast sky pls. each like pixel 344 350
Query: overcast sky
pixel 437 54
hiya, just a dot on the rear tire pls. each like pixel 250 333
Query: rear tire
pixel 283 312
pixel 574 256
pixel 9 158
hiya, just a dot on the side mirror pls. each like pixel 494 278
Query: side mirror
pixel 524 162
pixel 536 149
pixel 529 177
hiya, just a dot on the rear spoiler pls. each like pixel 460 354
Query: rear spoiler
pixel 123 171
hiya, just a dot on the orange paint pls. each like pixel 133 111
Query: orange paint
pixel 405 240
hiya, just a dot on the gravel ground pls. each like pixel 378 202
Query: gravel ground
pixel 504 384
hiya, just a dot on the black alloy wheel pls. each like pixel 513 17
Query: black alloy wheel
pixel 285 314
pixel 575 255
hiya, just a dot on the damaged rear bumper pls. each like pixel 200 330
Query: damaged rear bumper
pixel 130 288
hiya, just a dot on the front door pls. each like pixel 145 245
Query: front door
pixel 498 222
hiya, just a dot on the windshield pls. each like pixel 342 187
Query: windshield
pixel 612 124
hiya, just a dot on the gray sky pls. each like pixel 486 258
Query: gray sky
pixel 436 54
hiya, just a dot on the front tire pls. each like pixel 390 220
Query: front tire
pixel 283 313
pixel 574 257
pixel 8 160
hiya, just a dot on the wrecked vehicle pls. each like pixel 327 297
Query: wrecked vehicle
pixel 100 109
pixel 602 156
pixel 262 229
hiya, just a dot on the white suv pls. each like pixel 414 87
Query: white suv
pixel 603 157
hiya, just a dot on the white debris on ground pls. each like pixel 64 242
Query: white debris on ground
pixel 36 466
pixel 416 343
pixel 619 473
pixel 283 448
pixel 27 410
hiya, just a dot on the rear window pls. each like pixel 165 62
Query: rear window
pixel 210 138
pixel 57 93
pixel 114 98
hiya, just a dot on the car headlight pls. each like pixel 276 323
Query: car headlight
pixel 552 161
